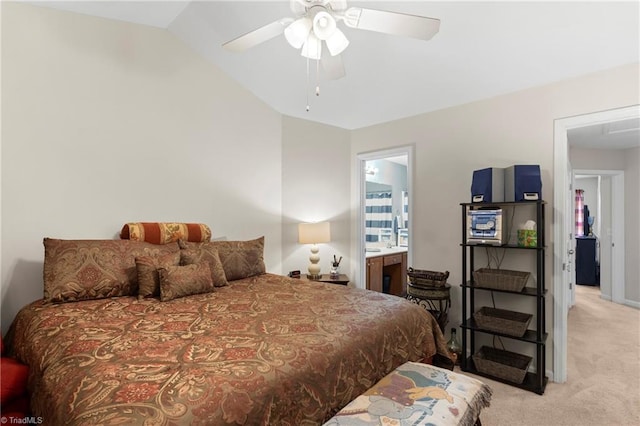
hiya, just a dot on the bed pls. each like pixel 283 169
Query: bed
pixel 265 349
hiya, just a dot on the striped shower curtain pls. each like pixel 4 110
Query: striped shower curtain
pixel 579 212
pixel 405 209
pixel 378 214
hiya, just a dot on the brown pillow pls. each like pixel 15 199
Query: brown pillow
pixel 206 253
pixel 94 269
pixel 148 277
pixel 240 259
pixel 181 281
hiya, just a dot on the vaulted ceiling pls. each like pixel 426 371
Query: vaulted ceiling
pixel 483 49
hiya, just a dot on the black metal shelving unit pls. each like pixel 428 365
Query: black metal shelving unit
pixel 534 382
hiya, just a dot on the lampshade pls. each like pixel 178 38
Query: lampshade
pixel 323 25
pixel 297 32
pixel 337 42
pixel 314 233
pixel 312 47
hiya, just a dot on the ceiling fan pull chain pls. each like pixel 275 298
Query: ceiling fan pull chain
pixel 318 78
pixel 307 88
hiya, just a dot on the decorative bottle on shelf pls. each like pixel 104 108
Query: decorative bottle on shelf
pixel 454 347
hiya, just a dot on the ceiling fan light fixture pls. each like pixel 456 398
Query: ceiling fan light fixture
pixel 324 25
pixel 312 48
pixel 337 42
pixel 316 22
pixel 298 32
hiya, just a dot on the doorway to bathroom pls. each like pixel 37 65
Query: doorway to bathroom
pixel 384 236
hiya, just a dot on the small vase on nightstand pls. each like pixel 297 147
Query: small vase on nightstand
pixel 334 272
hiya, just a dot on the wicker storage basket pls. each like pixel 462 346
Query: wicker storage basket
pixel 500 279
pixel 424 278
pixel 425 292
pixel 505 365
pixel 502 321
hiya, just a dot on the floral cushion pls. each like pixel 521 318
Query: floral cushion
pixel 181 281
pixel 148 277
pixel 94 269
pixel 240 259
pixel 207 253
pixel 417 393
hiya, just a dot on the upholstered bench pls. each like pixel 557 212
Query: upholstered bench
pixel 418 394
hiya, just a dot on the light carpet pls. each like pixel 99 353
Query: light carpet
pixel 603 383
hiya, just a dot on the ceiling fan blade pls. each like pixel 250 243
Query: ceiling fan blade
pixel 401 24
pixel 258 36
pixel 298 7
pixel 338 5
pixel 333 67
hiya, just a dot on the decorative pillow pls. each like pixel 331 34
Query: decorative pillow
pixel 148 277
pixel 207 253
pixel 181 281
pixel 240 259
pixel 165 232
pixel 94 269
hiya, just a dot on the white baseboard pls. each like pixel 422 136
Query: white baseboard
pixel 632 303
pixel 550 375
pixel 627 302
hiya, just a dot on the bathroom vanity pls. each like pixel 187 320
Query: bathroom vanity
pixel 387 270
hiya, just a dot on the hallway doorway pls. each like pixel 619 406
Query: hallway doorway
pixel 604 196
pixel 563 236
pixel 385 187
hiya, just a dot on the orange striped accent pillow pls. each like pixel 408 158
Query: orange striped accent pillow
pixel 165 232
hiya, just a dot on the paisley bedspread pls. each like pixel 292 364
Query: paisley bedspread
pixel 263 350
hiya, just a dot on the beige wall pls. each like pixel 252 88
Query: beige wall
pixel 315 176
pixel 105 122
pixel 512 129
pixel 600 159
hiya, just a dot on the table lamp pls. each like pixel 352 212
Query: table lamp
pixel 314 234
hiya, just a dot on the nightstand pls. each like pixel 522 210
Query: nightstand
pixel 342 279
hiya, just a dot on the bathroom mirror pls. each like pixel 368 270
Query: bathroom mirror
pixel 386 209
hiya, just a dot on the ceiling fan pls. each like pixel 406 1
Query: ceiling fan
pixel 315 28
